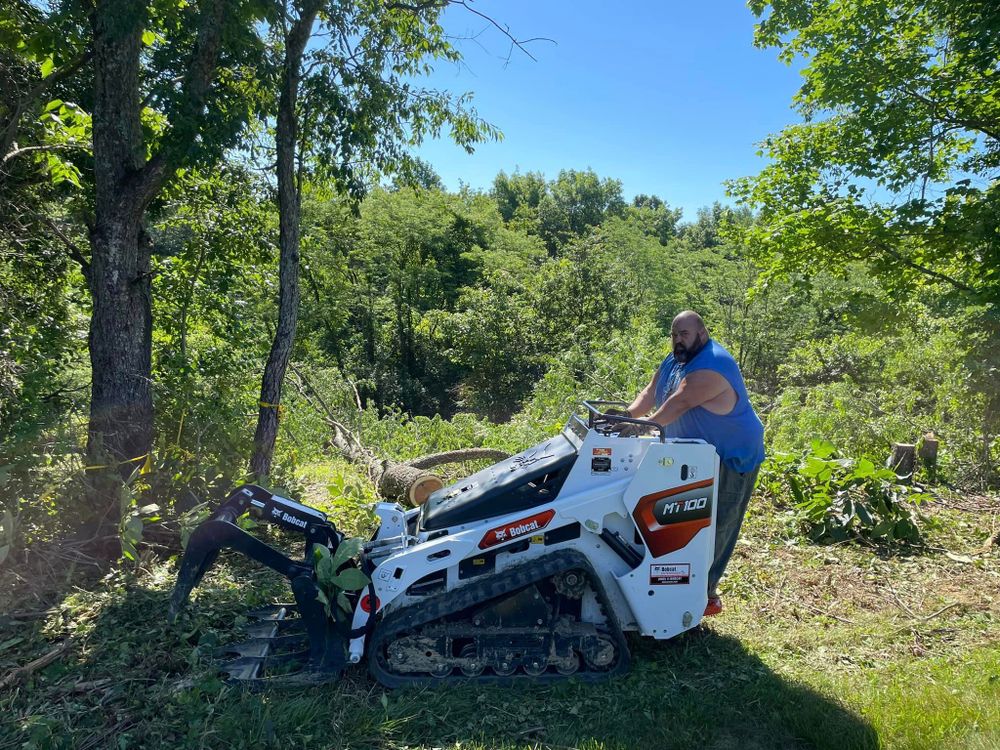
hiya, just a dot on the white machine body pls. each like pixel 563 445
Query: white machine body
pixel 641 509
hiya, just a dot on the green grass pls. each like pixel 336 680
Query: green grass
pixel 819 647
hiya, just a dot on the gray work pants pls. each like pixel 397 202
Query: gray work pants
pixel 734 494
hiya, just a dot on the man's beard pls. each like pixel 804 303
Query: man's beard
pixel 684 355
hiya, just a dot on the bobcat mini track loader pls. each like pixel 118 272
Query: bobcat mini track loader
pixel 529 569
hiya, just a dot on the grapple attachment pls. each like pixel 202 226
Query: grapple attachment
pixel 294 643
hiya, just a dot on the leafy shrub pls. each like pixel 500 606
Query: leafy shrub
pixel 842 498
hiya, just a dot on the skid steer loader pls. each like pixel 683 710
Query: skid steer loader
pixel 532 568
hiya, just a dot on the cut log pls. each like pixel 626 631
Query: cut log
pixel 902 460
pixel 406 482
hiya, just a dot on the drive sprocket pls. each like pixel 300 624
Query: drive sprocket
pixel 571 583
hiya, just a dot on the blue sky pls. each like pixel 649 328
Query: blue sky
pixel 669 97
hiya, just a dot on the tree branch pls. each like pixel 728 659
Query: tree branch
pixel 451 457
pixel 970 124
pixel 504 29
pixel 74 250
pixel 17 151
pixel 197 80
pixel 926 271
pixel 10 129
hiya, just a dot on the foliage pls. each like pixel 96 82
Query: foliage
pixel 896 159
pixel 845 498
pixel 336 576
pixel 133 517
pixel 832 647
pixel 868 391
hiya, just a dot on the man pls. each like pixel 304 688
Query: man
pixel 698 392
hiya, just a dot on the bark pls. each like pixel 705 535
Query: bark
pixel 902 460
pixel 453 457
pixel 286 137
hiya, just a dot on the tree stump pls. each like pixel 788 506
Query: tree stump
pixel 928 450
pixel 902 460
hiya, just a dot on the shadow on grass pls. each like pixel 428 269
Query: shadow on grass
pixel 702 690
pixel 147 687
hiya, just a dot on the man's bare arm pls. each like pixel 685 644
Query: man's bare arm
pixel 694 390
pixel 646 398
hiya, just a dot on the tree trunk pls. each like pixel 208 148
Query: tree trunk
pixel 120 432
pixel 289 207
pixel 121 407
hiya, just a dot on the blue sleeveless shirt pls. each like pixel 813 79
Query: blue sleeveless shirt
pixel 737 436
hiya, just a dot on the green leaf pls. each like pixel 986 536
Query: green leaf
pixel 133 529
pixel 47 66
pixel 796 489
pixel 822 448
pixel 348 549
pixel 865 468
pixel 344 602
pixel 326 571
pixel 148 37
pixel 351 579
pixel 815 468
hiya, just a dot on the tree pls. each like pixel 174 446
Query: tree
pixel 896 160
pixel 576 202
pixel 518 196
pixel 157 106
pixel 360 112
pixel 296 33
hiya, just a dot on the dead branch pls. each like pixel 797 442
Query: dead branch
pixel 40 663
pixel 393 480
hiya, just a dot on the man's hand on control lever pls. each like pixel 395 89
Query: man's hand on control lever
pixel 624 429
pixel 613 412
pixel 630 429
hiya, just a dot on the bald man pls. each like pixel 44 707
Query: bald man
pixel 698 392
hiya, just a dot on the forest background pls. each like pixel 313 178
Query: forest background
pixel 855 278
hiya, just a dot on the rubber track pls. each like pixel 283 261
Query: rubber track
pixel 469 595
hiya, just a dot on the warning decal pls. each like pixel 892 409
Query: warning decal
pixel 602 451
pixel 669 574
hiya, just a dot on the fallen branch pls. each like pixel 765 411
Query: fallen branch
pixel 940 611
pixel 393 480
pixel 454 457
pixel 40 663
pixel 925 618
pixel 824 613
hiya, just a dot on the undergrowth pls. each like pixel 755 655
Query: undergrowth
pixel 839 645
